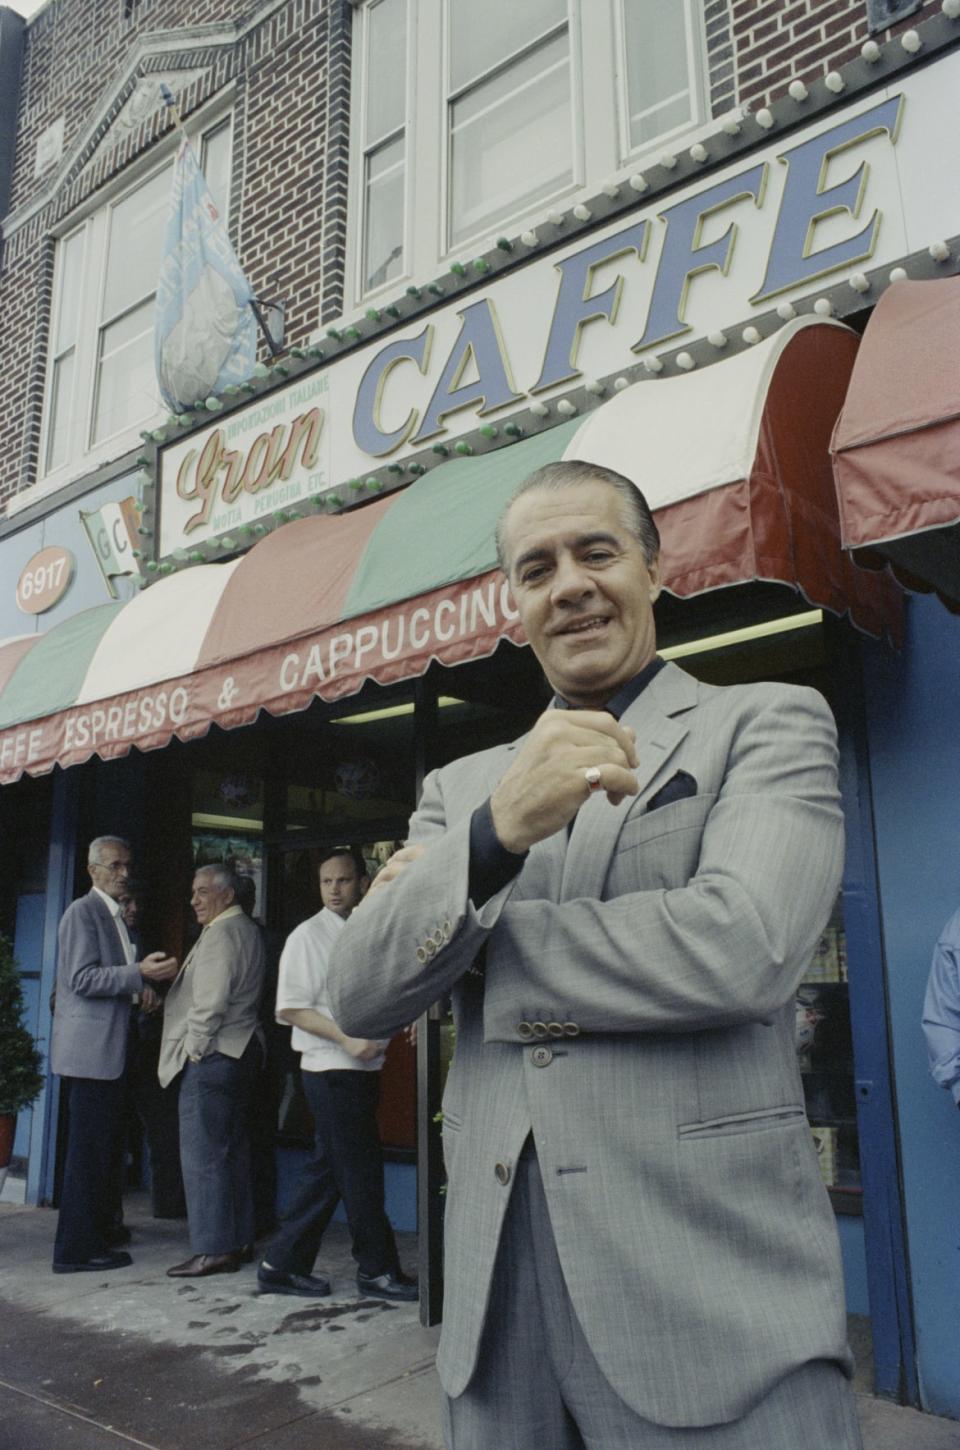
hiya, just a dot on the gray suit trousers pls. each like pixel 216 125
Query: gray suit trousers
pixel 537 1382
pixel 215 1149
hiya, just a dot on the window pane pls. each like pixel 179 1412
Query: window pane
pixel 126 381
pixel 510 140
pixel 383 240
pixel 386 69
pixel 658 84
pixel 71 269
pixel 215 160
pixel 353 779
pixel 485 34
pixel 137 227
pixel 60 404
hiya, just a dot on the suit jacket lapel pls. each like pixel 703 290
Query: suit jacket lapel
pixel 657 717
pixel 109 922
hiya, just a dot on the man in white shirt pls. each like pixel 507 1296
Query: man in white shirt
pixel 341 1081
pixel 97 977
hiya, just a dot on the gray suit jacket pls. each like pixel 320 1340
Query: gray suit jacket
pixel 212 1005
pixel 666 944
pixel 94 990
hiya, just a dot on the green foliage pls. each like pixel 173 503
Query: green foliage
pixel 21 1078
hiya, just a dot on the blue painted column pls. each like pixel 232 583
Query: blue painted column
pixel 883 1217
pixel 912 703
pixel 60 875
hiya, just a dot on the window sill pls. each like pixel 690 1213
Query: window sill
pixel 55 483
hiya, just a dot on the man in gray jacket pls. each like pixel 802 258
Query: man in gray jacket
pixel 211 1034
pixel 639 1249
pixel 97 977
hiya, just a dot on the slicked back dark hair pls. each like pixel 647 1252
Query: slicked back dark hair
pixel 355 855
pixel 567 474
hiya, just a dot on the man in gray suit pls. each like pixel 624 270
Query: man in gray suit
pixel 97 977
pixel 211 1033
pixel 639 1248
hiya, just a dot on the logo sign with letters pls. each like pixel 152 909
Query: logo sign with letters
pixel 858 188
pixel 45 579
pixel 113 530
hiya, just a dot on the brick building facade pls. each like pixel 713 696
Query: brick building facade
pixel 89 111
pixel 95 68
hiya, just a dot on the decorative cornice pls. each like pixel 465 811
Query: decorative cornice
pixel 158 45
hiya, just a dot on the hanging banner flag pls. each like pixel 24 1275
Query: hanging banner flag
pixel 113 531
pixel 206 332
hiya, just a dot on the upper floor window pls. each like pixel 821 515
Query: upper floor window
pixel 101 386
pixel 474 118
pixel 510 141
pixel 659 46
pixel 384 165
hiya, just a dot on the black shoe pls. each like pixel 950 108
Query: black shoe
pixel 202 1265
pixel 277 1281
pixel 98 1264
pixel 389 1286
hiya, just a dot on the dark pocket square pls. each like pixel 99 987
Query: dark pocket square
pixel 677 788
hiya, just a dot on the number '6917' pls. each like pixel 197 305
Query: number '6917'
pixel 44 580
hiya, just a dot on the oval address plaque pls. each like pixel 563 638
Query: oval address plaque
pixel 45 579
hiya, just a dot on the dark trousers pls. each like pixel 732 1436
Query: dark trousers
pixel 94 1143
pixel 215 1149
pixel 347 1163
pixel 158 1111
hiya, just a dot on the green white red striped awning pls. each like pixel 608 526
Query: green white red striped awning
pixel 323 604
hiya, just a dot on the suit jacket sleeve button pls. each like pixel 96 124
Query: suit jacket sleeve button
pixel 539 1029
pixel 502 1173
pixel 524 1030
pixel 570 1029
pixel 421 954
pixel 555 1029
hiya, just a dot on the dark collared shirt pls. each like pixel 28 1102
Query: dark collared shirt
pixel 492 866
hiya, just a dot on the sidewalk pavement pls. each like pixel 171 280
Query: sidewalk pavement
pixel 132 1358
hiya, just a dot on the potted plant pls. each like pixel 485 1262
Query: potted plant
pixel 21 1078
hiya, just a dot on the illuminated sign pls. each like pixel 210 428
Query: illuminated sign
pixel 854 188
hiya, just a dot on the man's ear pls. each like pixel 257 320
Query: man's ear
pixel 655 586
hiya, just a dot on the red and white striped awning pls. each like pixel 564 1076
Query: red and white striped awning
pixel 897 441
pixel 733 460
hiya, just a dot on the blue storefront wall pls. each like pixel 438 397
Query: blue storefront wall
pixel 37 912
pixel 62 526
pixel 913 711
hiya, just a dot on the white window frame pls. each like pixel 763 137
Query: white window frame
pixel 94 221
pixel 695 38
pixel 445 244
pixel 600 145
pixel 360 149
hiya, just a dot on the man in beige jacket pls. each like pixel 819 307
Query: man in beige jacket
pixel 210 1033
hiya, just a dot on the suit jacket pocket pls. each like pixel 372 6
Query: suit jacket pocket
pixel 641 827
pixel 784 1115
pixel 450 1138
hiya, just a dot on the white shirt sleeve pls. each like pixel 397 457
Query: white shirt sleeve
pixel 297 980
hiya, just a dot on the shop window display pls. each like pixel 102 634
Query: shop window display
pixel 825 1056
